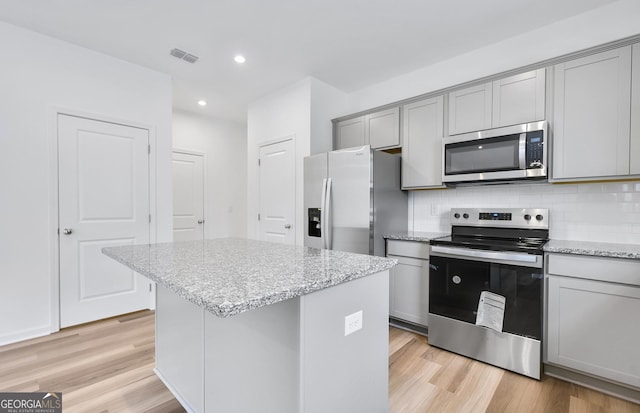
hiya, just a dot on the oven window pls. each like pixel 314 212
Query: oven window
pixel 455 286
pixel 486 155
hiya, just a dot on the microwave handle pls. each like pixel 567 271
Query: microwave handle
pixel 522 151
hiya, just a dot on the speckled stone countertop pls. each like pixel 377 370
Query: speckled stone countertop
pixel 598 249
pixel 415 236
pixel 230 276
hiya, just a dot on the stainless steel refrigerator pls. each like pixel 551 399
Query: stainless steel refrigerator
pixel 352 197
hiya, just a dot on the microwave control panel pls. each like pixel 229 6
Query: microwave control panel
pixel 535 146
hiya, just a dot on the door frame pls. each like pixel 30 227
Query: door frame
pixel 273 141
pixel 205 202
pixel 54 240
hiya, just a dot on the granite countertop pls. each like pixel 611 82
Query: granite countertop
pixel 598 249
pixel 415 236
pixel 230 276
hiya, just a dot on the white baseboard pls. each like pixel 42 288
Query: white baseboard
pixel 174 392
pixel 24 335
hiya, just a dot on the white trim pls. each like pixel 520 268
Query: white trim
pixel 53 112
pixel 188 151
pixel 22 335
pixel 173 391
pixel 276 140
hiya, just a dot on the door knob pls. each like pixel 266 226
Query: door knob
pixel 287 226
pixel 67 231
pixel 201 221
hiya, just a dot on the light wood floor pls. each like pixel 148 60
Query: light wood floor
pixel 107 366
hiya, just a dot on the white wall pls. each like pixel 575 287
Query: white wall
pixel 40 74
pixel 327 103
pixel 284 113
pixel 607 212
pixel 595 27
pixel 224 145
pixel 303 110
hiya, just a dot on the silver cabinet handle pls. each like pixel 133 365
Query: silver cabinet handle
pixel 201 221
pixel 67 231
pixel 287 226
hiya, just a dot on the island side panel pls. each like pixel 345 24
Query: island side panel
pixel 179 348
pixel 346 373
pixel 252 360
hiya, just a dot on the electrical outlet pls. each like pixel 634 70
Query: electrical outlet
pixel 352 323
pixel 434 210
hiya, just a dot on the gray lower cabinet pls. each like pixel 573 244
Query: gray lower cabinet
pixel 593 306
pixel 409 281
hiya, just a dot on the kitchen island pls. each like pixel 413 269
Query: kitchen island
pixel 245 325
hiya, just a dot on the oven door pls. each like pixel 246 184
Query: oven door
pixel 457 276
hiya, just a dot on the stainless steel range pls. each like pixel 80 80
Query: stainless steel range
pixel 486 286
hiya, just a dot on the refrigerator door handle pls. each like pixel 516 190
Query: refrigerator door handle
pixel 323 217
pixel 327 215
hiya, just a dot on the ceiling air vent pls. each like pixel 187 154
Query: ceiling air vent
pixel 181 54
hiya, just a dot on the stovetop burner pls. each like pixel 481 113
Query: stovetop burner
pixel 505 229
pixel 533 246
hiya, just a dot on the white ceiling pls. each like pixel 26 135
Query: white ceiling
pixel 350 44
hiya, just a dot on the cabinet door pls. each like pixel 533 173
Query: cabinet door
pixel 422 131
pixel 409 290
pixel 593 328
pixel 350 133
pixel 383 128
pixel 519 99
pixel 634 167
pixel 470 109
pixel 592 115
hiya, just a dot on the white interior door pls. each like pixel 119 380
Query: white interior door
pixel 103 172
pixel 277 192
pixel 188 197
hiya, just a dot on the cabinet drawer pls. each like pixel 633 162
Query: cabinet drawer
pixel 617 270
pixel 413 249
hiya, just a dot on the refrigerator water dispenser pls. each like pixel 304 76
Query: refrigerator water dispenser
pixel 314 222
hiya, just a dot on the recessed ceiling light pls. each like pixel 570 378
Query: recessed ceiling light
pixel 202 102
pixel 239 59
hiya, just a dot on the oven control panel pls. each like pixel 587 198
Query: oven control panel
pixel 501 217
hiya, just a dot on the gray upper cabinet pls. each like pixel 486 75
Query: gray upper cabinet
pixel 381 130
pixel 470 109
pixel 507 101
pixel 350 133
pixel 634 153
pixel 384 128
pixel 422 131
pixel 519 99
pixel 592 110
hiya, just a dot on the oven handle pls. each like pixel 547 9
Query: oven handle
pixel 489 255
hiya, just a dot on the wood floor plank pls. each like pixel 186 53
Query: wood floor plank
pixel 515 393
pixel 107 366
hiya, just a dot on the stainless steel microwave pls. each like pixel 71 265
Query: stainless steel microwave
pixel 502 154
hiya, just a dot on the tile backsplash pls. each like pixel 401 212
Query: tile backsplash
pixel 605 212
